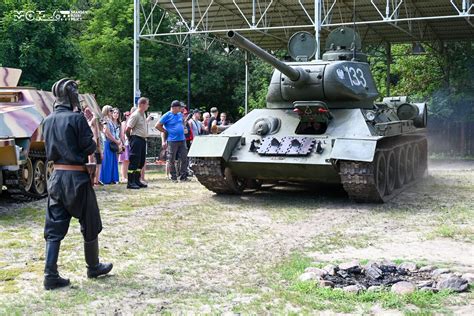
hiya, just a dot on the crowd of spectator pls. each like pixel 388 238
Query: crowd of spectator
pixel 112 144
pixel 179 127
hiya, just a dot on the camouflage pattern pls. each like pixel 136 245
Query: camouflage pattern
pixel 9 77
pixel 22 111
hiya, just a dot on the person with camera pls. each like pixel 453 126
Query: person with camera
pixel 69 141
pixel 112 146
pixel 137 132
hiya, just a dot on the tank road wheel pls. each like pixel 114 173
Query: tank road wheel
pixel 27 175
pixel 409 164
pixel 49 170
pixel 423 157
pixel 236 184
pixel 401 167
pixel 39 175
pixel 391 173
pixel 416 161
pixel 380 175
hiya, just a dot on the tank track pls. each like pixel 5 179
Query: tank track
pixel 358 178
pixel 210 172
pixel 16 185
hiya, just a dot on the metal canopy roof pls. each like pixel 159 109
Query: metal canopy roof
pixel 270 23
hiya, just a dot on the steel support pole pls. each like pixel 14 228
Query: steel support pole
pixel 253 14
pixel 136 51
pixel 193 20
pixel 189 73
pixel 388 52
pixel 317 27
pixel 246 82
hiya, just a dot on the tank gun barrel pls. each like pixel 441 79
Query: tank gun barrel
pixel 244 43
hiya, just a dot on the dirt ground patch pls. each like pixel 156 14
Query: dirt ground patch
pixel 179 248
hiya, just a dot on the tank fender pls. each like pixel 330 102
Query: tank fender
pixel 354 149
pixel 213 146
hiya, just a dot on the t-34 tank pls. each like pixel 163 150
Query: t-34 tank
pixel 321 124
pixel 23 166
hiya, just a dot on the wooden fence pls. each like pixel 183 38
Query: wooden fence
pixel 451 138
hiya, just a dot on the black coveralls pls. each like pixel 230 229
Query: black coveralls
pixel 69 141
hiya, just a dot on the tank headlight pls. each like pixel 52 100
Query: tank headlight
pixel 262 127
pixel 370 115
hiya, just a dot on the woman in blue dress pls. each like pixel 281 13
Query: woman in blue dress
pixel 109 171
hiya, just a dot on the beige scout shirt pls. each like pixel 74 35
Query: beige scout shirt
pixel 137 122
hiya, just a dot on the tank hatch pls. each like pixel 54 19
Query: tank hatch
pixel 344 44
pixel 302 46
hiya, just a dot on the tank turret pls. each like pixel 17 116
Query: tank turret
pixel 339 80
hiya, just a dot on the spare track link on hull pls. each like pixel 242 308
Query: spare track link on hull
pixel 359 180
pixel 210 173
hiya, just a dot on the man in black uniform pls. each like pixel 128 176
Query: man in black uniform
pixel 69 142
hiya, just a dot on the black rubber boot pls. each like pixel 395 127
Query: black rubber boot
pixel 94 267
pixel 132 181
pixel 137 180
pixel 52 280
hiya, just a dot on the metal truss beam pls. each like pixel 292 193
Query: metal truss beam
pixel 218 16
pixel 270 21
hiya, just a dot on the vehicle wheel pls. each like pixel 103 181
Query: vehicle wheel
pixel 401 167
pixel 237 185
pixel 416 161
pixel 391 172
pixel 423 158
pixel 380 175
pixel 409 164
pixel 27 175
pixel 49 170
pixel 39 177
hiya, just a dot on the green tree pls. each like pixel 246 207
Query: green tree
pixel 107 48
pixel 442 77
pixel 45 51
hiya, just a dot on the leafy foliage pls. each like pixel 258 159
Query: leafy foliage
pixel 99 52
pixel 46 51
pixel 441 77
pixel 107 47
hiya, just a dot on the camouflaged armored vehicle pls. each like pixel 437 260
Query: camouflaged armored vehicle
pixel 23 166
pixel 321 124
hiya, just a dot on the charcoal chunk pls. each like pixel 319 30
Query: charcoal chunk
pixel 373 272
